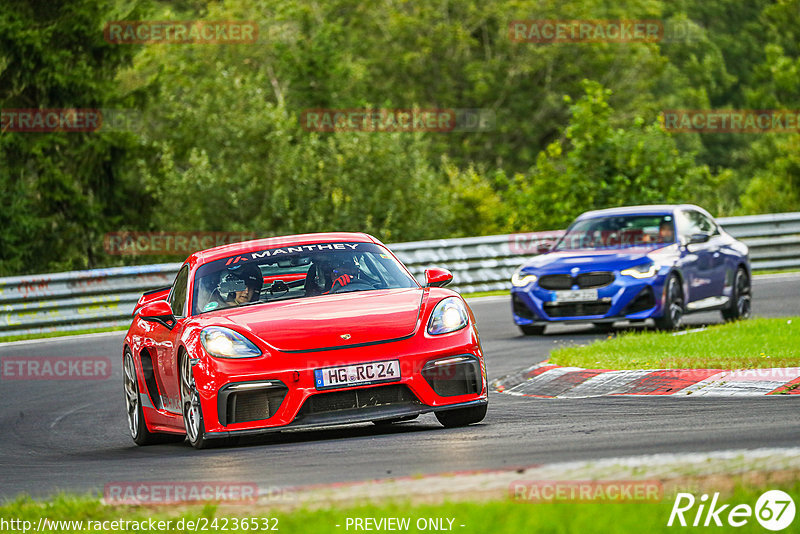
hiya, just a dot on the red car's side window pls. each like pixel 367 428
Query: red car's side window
pixel 177 297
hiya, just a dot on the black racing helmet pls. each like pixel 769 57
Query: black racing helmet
pixel 343 264
pixel 239 278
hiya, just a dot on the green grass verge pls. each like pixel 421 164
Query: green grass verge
pixel 751 344
pixel 501 516
pixel 497 292
pixel 45 335
pixel 775 271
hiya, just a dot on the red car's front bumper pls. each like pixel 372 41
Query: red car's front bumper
pixel 277 391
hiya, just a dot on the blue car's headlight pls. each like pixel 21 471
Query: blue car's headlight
pixel 645 270
pixel 449 315
pixel 225 343
pixel 520 279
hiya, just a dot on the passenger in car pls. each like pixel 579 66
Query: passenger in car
pixel 237 286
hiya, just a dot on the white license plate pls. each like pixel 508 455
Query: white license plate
pixel 357 374
pixel 576 295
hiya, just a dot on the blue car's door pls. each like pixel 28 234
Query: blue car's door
pixel 702 262
pixel 716 257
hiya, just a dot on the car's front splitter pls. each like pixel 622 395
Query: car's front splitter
pixel 348 417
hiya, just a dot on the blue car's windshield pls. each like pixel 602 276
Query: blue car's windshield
pixel 618 231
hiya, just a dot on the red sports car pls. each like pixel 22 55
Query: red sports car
pixel 297 332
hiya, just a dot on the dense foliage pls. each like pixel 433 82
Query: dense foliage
pixel 217 142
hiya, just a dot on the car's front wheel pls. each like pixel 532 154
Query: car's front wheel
pixel 190 406
pixel 672 318
pixel 740 305
pixel 133 404
pixel 462 416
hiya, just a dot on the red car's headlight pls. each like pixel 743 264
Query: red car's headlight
pixel 449 315
pixel 226 343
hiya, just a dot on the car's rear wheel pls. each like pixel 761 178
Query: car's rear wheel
pixel 672 318
pixel 532 329
pixel 133 404
pixel 462 416
pixel 190 406
pixel 740 305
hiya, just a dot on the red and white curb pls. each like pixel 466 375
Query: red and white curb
pixel 553 381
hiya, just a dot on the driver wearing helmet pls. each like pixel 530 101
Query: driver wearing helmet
pixel 238 285
pixel 341 272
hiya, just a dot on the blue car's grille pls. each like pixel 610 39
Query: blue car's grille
pixel 576 309
pixel 556 281
pixel 521 309
pixel 583 281
pixel 598 279
pixel 644 301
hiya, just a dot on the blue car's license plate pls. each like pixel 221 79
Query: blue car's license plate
pixel 575 295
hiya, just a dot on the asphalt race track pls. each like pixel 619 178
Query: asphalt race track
pixel 72 436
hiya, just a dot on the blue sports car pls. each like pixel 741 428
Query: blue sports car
pixel 632 264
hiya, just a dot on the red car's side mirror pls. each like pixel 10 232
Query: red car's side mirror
pixel 436 277
pixel 158 311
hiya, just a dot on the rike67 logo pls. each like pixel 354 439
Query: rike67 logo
pixel 774 510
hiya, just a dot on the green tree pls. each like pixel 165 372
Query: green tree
pixel 61 191
pixel 775 185
pixel 254 168
pixel 597 165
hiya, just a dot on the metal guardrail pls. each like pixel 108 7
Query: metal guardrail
pixel 105 297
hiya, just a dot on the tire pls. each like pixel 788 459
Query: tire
pixel 190 407
pixel 133 404
pixel 741 301
pixel 532 329
pixel 462 416
pixel 673 306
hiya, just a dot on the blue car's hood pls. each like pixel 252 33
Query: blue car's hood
pixel 589 260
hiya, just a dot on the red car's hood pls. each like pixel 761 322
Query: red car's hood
pixel 321 322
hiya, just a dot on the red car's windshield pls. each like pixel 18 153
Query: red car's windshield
pixel 292 272
pixel 618 232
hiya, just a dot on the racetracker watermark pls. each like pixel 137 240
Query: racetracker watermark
pixel 202 524
pixel 731 121
pixel 76 120
pixel 56 368
pixel 179 492
pixel 532 243
pixel 585 31
pixel 169 243
pixel 547 31
pixel 50 120
pixel 180 32
pixel 398 120
pixel 586 490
